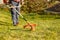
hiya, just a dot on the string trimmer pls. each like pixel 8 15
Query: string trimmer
pixel 32 26
pixel 28 23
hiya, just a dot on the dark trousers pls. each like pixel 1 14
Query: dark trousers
pixel 14 13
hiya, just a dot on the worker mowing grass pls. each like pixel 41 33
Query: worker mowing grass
pixel 14 13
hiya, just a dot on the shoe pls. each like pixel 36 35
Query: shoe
pixel 14 25
pixel 17 23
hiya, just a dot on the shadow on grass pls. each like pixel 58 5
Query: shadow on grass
pixel 19 29
pixel 5 23
pixel 12 29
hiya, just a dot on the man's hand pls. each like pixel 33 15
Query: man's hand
pixel 12 6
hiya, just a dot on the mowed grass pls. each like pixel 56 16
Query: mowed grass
pixel 48 27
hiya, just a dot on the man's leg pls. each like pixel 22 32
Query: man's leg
pixel 18 9
pixel 17 18
pixel 13 12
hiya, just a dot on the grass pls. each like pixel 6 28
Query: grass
pixel 48 27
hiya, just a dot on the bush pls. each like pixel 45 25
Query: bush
pixel 34 5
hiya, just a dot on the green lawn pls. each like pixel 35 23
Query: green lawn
pixel 48 27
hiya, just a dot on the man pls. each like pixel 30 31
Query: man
pixel 14 5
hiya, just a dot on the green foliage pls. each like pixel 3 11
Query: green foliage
pixel 34 5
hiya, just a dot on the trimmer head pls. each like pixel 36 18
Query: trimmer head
pixel 31 26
